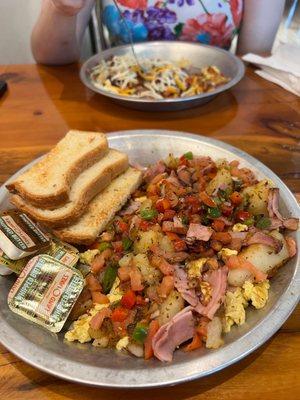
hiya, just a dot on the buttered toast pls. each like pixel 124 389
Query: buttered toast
pixel 47 183
pixel 101 209
pixel 88 184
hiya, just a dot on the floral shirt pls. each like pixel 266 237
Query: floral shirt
pixel 213 22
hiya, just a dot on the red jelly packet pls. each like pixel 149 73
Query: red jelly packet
pixel 45 292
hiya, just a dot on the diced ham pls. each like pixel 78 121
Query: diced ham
pixel 174 333
pixel 291 224
pixel 124 273
pixel 166 286
pixel 154 170
pixel 93 283
pixel 262 238
pixel 292 246
pixel 173 179
pixel 163 265
pixel 169 226
pixel 177 222
pixel 97 320
pixel 182 285
pixel 132 207
pixel 218 282
pixel 98 262
pixel 172 257
pixel 276 217
pixel 184 175
pixel 136 279
pixel 199 232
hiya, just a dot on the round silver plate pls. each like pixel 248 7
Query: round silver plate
pixel 199 56
pixel 103 367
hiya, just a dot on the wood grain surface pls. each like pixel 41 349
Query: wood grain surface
pixel 42 103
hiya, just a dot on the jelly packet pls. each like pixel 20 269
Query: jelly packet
pixel 45 292
pixel 20 236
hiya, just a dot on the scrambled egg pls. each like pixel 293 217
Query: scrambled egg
pixel 236 302
pixel 235 305
pixel 122 343
pixel 80 328
pixel 115 293
pixel 224 253
pixel 240 227
pixel 194 267
pixel 88 256
pixel 257 293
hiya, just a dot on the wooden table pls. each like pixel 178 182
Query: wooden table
pixel 42 103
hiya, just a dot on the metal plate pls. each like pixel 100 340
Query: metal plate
pixel 199 55
pixel 98 367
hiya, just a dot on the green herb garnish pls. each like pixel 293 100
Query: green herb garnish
pixel 148 214
pixel 189 155
pixel 263 223
pixel 140 333
pixel 109 277
pixel 127 243
pixel 214 212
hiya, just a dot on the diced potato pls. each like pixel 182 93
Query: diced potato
pixel 214 334
pixel 145 240
pixel 257 197
pixel 262 257
pixel 126 260
pixel 101 342
pixel 166 244
pixel 170 307
pixel 150 274
pixel 223 177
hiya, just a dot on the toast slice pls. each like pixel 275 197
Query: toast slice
pixel 89 183
pixel 102 209
pixel 48 182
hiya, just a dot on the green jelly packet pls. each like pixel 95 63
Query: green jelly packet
pixel 45 292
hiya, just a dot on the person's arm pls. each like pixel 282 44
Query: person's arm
pixel 58 32
pixel 260 23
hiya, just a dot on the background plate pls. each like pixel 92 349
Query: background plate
pixel 199 56
pixel 85 364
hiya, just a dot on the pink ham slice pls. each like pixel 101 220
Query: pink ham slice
pixel 262 238
pixel 199 232
pixel 155 169
pixel 174 333
pixel 218 281
pixel 274 214
pixel 181 284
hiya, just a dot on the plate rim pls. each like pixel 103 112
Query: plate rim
pixel 281 310
pixel 87 82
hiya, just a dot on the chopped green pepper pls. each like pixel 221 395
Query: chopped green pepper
pixel 127 243
pixel 109 277
pixel 189 155
pixel 249 221
pixel 185 219
pixel 263 223
pixel 103 246
pixel 140 333
pixel 214 212
pixel 148 214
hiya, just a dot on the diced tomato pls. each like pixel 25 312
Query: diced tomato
pixel 243 215
pixel 144 225
pixel 179 245
pixel 152 189
pixel 99 261
pixel 223 237
pixel 172 236
pixel 183 161
pixel 93 246
pixel 119 314
pixel 118 246
pixel 218 225
pixel 93 283
pixel 122 226
pixel 226 209
pixel 99 298
pixel 162 205
pixel 236 198
pixel 140 301
pixel 129 299
pixel 206 199
pixel 168 215
pixel 153 328
pixel 192 200
pixel 196 343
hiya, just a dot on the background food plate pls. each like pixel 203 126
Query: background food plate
pixel 199 55
pixel 103 367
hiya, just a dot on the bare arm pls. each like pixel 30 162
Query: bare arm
pixel 260 23
pixel 58 33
